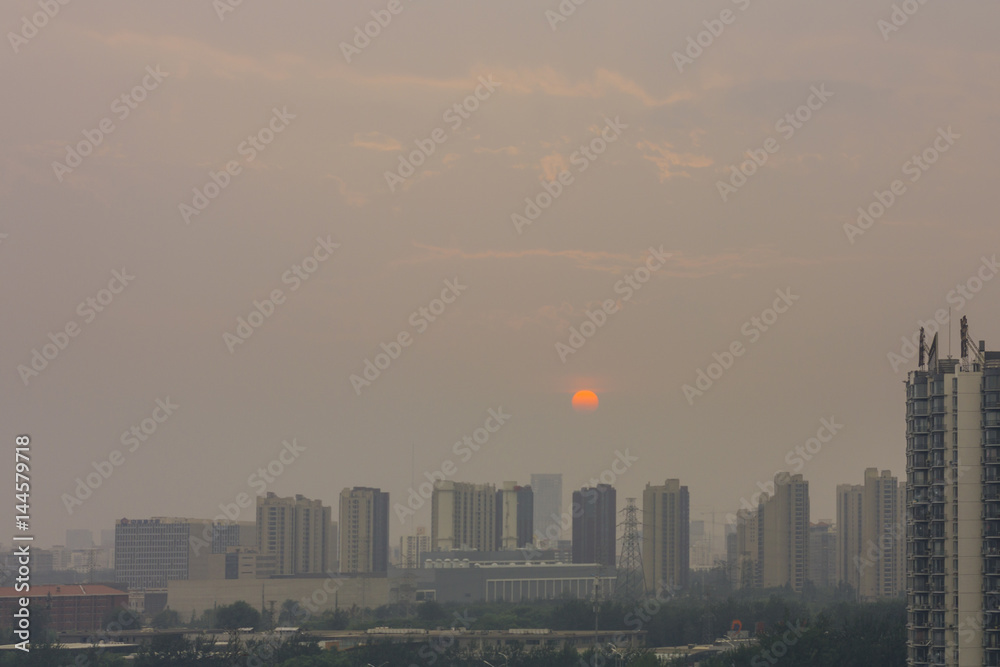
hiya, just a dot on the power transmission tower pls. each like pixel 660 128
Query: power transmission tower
pixel 630 583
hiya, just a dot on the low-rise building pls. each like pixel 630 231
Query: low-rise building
pixel 64 608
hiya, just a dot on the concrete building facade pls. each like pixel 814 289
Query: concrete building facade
pixel 506 516
pixel 783 538
pixel 953 508
pixel 70 607
pixel 823 555
pixel 151 552
pixel 296 532
pixel 413 547
pixel 666 541
pixel 745 565
pixel 315 594
pixel 870 551
pixel 525 516
pixel 364 530
pixel 547 520
pixel 463 516
pixel 595 523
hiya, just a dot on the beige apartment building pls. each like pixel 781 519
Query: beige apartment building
pixel 953 508
pixel 871 536
pixel 463 516
pixel 364 530
pixel 296 532
pixel 666 538
pixel 784 533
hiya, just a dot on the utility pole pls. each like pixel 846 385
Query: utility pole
pixel 597 608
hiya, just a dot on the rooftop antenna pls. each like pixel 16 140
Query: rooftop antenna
pixel 949 332
pixel 923 340
pixel 413 468
pixel 964 334
pixel 932 354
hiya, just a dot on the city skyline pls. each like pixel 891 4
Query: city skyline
pixel 400 530
pixel 281 256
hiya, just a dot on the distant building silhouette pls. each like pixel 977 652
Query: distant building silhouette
pixel 413 547
pixel 823 555
pixel 547 490
pixel 870 524
pixel 595 518
pixel 525 516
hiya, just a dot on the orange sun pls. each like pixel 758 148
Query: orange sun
pixel 585 401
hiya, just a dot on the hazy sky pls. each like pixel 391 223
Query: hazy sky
pixel 268 91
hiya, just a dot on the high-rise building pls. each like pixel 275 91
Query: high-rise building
pixel 666 539
pixel 296 532
pixel 514 518
pixel 150 552
pixel 364 530
pixel 506 517
pixel 108 543
pixel 783 533
pixel 701 556
pixel 463 516
pixel 413 547
pixel 822 555
pixel 869 549
pixel 525 516
pixel 547 520
pixel 595 515
pixel 953 507
pixel 745 563
pixel 333 545
pixel 731 554
pixel 849 534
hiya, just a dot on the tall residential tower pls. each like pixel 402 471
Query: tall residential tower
pixel 666 537
pixel 869 545
pixel 296 532
pixel 463 516
pixel 547 511
pixel 595 522
pixel 783 539
pixel 953 507
pixel 364 530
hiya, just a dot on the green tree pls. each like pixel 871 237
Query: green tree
pixel 120 619
pixel 237 615
pixel 289 613
pixel 431 612
pixel 167 618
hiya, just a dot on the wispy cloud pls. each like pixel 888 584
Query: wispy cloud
pixel 737 261
pixel 375 141
pixel 193 57
pixel 352 197
pixel 591 260
pixel 552 165
pixel 602 83
pixel 505 150
pixel 671 163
